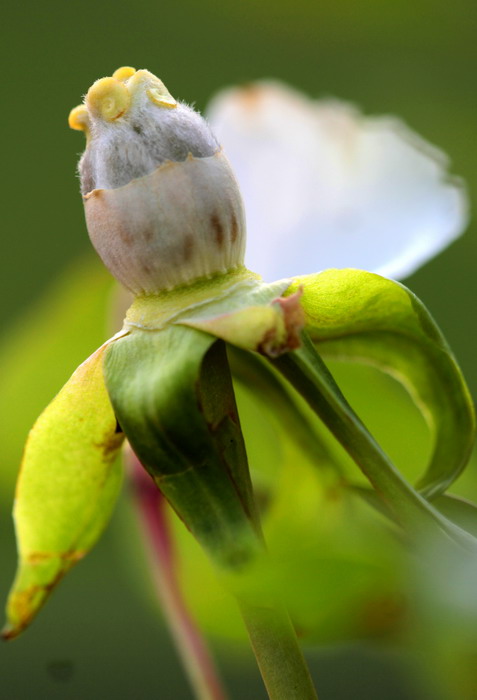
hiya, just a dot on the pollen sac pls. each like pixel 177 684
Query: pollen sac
pixel 162 205
pixel 108 99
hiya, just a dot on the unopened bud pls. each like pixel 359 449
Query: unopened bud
pixel 162 205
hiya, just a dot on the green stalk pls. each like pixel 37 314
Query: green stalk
pixel 279 656
pixel 306 371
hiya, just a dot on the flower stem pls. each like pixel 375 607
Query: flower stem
pixel 307 372
pixel 190 644
pixel 279 656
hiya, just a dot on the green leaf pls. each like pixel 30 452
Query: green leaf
pixel 307 372
pixel 68 484
pixel 359 316
pixel 172 393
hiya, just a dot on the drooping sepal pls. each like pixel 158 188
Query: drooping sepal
pixel 172 393
pixel 359 316
pixel 68 484
pixel 307 372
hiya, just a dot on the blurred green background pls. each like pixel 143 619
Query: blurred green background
pixel 100 636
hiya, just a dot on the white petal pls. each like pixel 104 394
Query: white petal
pixel 325 186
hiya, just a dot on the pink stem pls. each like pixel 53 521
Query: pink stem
pixel 190 644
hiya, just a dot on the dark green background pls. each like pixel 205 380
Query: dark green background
pixel 416 59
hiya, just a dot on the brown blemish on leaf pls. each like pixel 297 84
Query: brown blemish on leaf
pixel 23 602
pixel 161 478
pixel 294 317
pixel 111 444
pixel 11 632
pixel 24 607
pixel 35 558
pixel 274 341
pixel 217 425
pixel 268 344
pixel 148 234
pixel 218 229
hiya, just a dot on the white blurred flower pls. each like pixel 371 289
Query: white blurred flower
pixel 325 186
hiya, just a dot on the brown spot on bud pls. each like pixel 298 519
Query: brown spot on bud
pixel 218 229
pixel 188 246
pixel 233 227
pixel 125 236
pixel 170 227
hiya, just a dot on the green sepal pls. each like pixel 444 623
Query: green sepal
pixel 236 307
pixel 67 487
pixel 359 316
pixel 268 329
pixel 172 394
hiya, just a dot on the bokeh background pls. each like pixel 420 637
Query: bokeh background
pixel 101 635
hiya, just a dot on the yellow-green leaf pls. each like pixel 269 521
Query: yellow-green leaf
pixel 39 350
pixel 359 316
pixel 68 484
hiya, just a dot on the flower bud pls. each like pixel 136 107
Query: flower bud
pixel 162 205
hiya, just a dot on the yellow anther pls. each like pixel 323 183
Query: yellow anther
pixel 161 99
pixel 108 98
pixel 155 89
pixel 78 119
pixel 124 73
